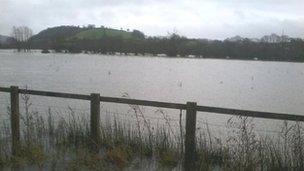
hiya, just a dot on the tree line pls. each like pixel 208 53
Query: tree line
pixel 61 39
pixel 175 45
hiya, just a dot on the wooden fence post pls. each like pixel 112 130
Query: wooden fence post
pixel 15 120
pixel 95 121
pixel 190 149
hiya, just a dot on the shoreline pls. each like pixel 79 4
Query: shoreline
pixel 157 56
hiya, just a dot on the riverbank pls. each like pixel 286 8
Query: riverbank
pixel 50 51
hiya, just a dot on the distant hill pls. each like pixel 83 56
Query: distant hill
pixel 69 34
pixel 52 35
pixel 5 39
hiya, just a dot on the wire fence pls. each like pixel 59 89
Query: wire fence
pixel 126 115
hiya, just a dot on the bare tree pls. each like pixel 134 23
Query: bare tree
pixel 22 34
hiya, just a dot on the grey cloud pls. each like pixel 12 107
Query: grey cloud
pixel 192 18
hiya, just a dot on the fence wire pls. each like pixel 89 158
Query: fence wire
pixel 126 116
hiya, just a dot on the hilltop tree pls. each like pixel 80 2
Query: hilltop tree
pixel 138 34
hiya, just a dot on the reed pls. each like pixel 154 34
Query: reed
pixel 56 143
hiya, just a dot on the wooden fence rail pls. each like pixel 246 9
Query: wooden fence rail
pixel 95 99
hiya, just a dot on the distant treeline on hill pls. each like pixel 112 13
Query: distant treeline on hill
pixel 104 40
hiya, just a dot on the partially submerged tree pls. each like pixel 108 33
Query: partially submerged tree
pixel 22 34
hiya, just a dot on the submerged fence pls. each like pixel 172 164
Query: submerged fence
pixel 191 109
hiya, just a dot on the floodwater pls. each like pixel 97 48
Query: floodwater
pixel 251 85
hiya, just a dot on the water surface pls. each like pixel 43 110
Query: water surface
pixel 250 85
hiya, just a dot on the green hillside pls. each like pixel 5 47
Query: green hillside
pixel 54 33
pixel 97 33
pixel 50 36
pixel 62 36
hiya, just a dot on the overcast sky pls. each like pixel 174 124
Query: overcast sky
pixel 214 19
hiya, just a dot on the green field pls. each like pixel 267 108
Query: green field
pixel 97 33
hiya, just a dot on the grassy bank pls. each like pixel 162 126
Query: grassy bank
pixel 57 143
